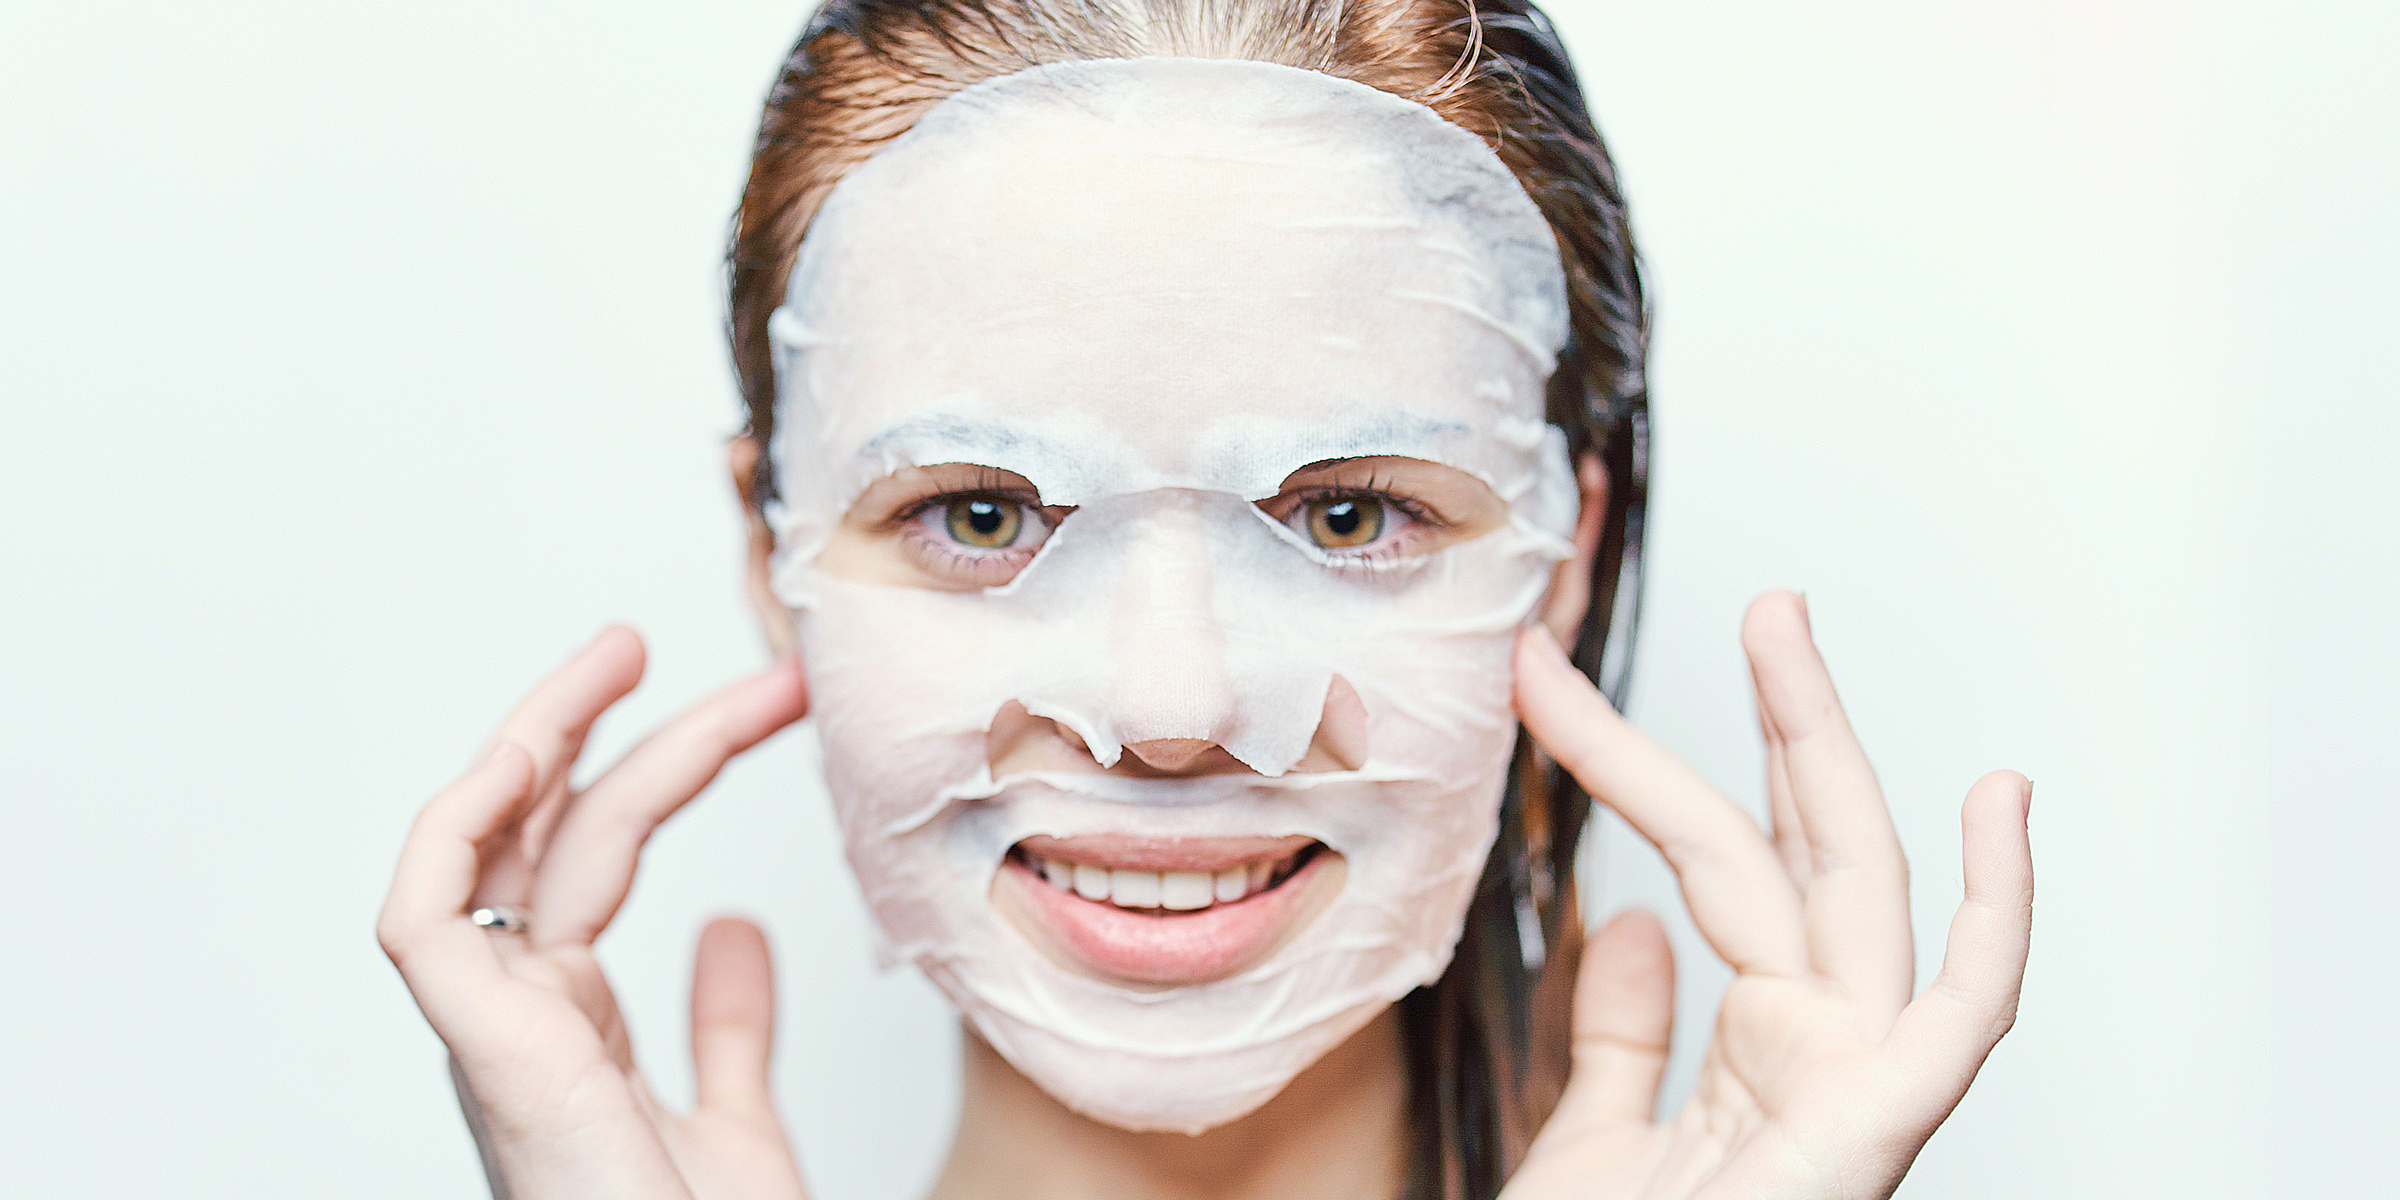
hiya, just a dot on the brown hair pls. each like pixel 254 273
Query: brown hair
pixel 1488 1042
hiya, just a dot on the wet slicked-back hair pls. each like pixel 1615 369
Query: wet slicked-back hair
pixel 1487 1043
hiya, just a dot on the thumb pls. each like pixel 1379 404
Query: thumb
pixel 1624 1018
pixel 733 1018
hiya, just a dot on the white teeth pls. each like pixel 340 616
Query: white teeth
pixel 1133 889
pixel 1176 891
pixel 1186 890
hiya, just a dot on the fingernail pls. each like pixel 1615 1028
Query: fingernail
pixel 1805 621
pixel 2027 800
pixel 499 749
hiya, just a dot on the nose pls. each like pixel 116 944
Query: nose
pixel 1339 743
pixel 1169 754
pixel 1200 666
pixel 1192 690
pixel 1170 697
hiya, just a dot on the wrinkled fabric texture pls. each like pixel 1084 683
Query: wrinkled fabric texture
pixel 1155 288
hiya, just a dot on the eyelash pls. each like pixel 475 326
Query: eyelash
pixel 1421 519
pixel 944 555
pixel 1373 487
pixel 1414 510
pixel 947 557
pixel 989 485
pixel 1379 488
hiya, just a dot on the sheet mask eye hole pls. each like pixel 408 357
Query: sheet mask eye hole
pixel 985 522
pixel 1345 522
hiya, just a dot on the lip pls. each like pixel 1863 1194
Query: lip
pixel 1160 947
pixel 1135 852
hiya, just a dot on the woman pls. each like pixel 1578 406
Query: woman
pixel 1177 427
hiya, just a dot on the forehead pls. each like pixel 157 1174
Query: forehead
pixel 1170 273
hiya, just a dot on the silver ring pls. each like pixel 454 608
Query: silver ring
pixel 499 918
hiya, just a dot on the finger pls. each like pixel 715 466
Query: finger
pixel 552 720
pixel 733 1018
pixel 442 862
pixel 591 860
pixel 1791 841
pixel 1739 895
pixel 1624 1020
pixel 550 725
pixel 1856 886
pixel 1972 1002
pixel 558 716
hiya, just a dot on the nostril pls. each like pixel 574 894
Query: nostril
pixel 1169 754
pixel 1020 741
pixel 1342 728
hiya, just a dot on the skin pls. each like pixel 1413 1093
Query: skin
pixel 1826 1071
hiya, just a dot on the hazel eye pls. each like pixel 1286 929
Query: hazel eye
pixel 1345 522
pixel 984 522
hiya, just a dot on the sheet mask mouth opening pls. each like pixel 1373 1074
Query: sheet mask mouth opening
pixel 1163 892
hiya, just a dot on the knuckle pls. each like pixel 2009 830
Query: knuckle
pixel 395 937
pixel 719 733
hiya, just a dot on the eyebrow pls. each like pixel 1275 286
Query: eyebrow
pixel 969 438
pixel 1357 436
pixel 955 437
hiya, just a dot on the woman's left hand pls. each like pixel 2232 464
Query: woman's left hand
pixel 1825 1074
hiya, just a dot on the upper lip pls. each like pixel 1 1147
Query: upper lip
pixel 1137 852
pixel 1164 911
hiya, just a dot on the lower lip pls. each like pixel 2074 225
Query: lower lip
pixel 1161 946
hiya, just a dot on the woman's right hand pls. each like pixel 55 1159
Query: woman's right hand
pixel 538 1047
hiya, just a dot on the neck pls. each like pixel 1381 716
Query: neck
pixel 1338 1132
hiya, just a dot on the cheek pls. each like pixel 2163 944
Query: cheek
pixel 891 699
pixel 1438 713
pixel 1438 704
pixel 1439 719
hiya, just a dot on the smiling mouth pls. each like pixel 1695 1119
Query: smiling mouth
pixel 1164 912
pixel 1165 891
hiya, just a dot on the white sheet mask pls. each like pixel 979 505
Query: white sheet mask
pixel 1155 288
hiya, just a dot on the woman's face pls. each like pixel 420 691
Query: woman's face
pixel 1165 478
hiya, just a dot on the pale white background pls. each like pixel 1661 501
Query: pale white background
pixel 359 361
